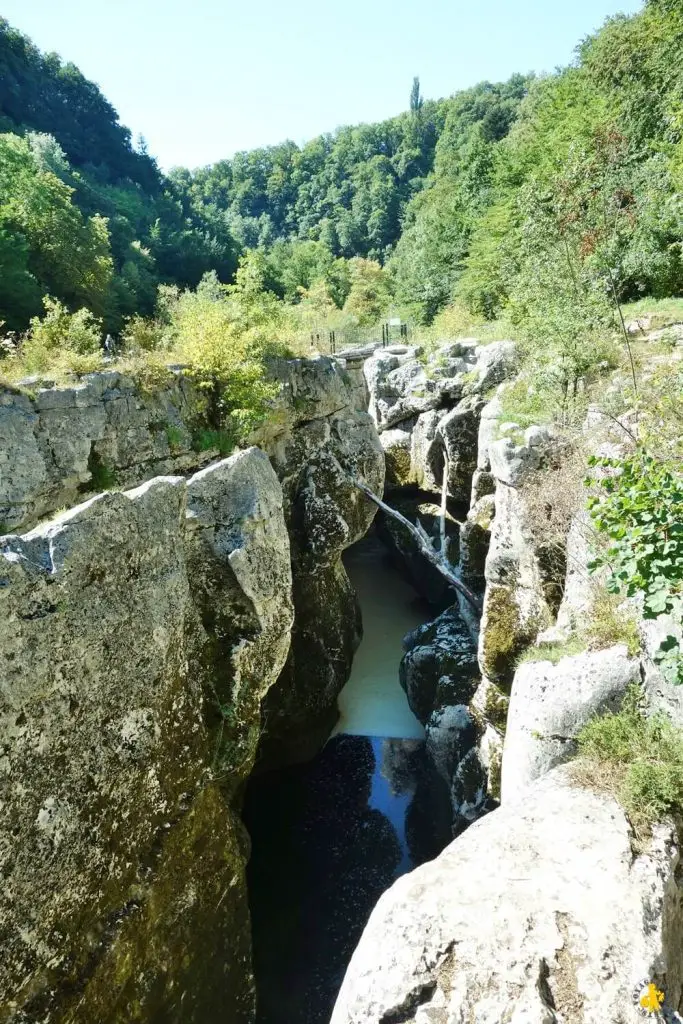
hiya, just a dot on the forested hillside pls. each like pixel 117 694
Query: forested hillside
pixel 527 199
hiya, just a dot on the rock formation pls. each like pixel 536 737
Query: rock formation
pixel 142 633
pixel 540 912
pixel 141 630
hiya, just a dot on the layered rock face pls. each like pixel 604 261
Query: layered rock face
pixel 432 415
pixel 141 630
pixel 53 441
pixel 543 910
pixel 540 912
pixel 427 411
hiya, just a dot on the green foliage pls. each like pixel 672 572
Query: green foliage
pixel 58 250
pixel 526 403
pixel 439 222
pixel 639 759
pixel 141 334
pixel 210 440
pixel 370 293
pixel 639 508
pixel 102 476
pixel 174 436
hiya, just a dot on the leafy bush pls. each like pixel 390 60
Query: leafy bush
pixel 59 343
pixel 59 329
pixel 639 508
pixel 639 759
pixel 141 334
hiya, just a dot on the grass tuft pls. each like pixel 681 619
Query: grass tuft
pixel 637 759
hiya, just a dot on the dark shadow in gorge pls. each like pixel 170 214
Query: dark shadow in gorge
pixel 329 838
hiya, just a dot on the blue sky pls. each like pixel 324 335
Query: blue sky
pixel 202 79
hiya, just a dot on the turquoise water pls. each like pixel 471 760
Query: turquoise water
pixel 372 703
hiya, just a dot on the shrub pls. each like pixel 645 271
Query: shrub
pixel 639 508
pixel 60 342
pixel 174 436
pixel 141 334
pixel 638 759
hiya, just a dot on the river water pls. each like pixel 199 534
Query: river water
pixel 330 836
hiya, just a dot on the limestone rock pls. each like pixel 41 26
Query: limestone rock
pixel 511 463
pixel 475 536
pixel 495 362
pixel 397 444
pixel 53 443
pixel 549 706
pixel 540 912
pixel 136 647
pixel 515 609
pixel 458 431
pixel 316 460
pixel 426 452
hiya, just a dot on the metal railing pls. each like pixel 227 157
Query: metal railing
pixel 330 342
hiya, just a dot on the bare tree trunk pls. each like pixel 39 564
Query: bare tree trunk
pixel 444 497
pixel 437 558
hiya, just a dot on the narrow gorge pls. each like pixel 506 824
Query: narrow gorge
pixel 247 729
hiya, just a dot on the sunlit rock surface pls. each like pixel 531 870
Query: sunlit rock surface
pixel 140 633
pixel 540 912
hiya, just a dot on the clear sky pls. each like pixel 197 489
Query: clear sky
pixel 201 79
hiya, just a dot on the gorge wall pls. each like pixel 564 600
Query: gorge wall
pixel 142 632
pixel 552 907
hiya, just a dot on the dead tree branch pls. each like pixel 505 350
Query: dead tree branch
pixel 444 498
pixel 418 532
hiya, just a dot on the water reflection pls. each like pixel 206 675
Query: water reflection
pixel 328 839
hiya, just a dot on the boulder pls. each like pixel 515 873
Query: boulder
pixel 550 704
pixel 495 363
pixel 458 431
pixel 439 674
pixel 541 912
pixel 439 667
pixel 141 630
pixel 511 463
pixel 426 452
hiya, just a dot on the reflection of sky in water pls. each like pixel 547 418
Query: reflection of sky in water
pixel 390 794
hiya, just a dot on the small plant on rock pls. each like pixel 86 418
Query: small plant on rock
pixel 637 758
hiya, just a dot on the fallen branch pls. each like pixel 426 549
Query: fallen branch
pixel 437 558
pixel 444 505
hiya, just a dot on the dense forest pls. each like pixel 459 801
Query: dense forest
pixel 474 202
